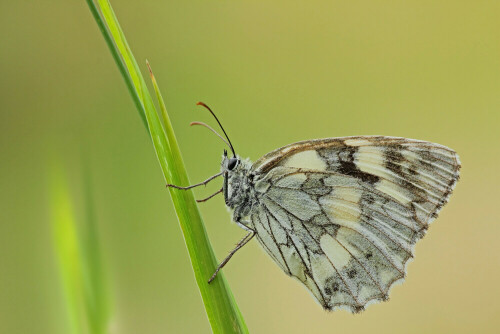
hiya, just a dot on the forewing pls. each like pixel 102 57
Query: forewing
pixel 415 173
pixel 348 233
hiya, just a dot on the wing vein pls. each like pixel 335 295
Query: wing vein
pixel 335 268
pixel 343 281
pixel 278 245
pixel 362 266
pixel 309 270
pixel 375 227
pixel 324 213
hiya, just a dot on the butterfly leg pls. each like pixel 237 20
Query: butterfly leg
pixel 209 197
pixel 195 185
pixel 240 244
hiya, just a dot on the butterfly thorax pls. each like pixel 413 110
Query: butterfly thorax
pixel 239 192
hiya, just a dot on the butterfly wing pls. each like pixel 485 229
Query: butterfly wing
pixel 343 215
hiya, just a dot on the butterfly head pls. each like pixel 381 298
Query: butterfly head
pixel 235 170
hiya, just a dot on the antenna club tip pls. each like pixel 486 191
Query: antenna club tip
pixel 206 107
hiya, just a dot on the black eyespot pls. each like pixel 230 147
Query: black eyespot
pixel 232 163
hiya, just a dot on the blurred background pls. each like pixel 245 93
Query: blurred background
pixel 275 72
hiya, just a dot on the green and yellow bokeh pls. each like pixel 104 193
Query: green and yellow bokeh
pixel 275 72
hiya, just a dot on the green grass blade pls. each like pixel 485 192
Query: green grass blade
pixel 118 60
pixel 221 308
pixel 66 247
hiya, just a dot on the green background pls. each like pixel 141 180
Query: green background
pixel 275 72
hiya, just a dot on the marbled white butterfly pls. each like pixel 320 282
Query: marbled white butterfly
pixel 341 215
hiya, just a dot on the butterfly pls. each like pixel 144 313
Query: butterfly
pixel 341 215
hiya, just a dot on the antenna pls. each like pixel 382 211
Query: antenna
pixel 211 129
pixel 229 140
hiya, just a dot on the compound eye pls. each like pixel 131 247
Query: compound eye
pixel 233 162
